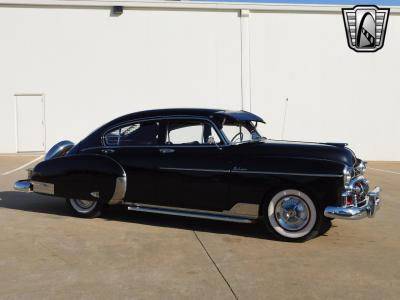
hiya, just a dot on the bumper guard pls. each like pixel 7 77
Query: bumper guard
pixel 356 213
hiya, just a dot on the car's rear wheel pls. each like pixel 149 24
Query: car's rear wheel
pixel 291 215
pixel 85 208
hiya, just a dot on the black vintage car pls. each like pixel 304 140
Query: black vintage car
pixel 207 163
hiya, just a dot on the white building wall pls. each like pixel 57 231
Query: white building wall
pixel 334 94
pixel 93 67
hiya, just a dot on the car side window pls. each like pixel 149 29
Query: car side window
pixel 182 132
pixel 141 133
pixel 233 131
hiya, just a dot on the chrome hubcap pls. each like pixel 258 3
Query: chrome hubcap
pixel 292 213
pixel 83 206
pixel 84 203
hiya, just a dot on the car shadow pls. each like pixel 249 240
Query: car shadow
pixel 32 202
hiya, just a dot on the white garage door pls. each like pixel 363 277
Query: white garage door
pixel 30 123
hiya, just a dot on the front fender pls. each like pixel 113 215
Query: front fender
pixel 254 178
pixel 87 176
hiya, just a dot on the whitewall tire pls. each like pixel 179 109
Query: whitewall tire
pixel 292 215
pixel 85 208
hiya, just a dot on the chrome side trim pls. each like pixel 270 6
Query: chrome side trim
pixel 43 187
pixel 244 209
pixel 287 173
pixel 243 171
pixel 225 212
pixel 120 190
pixel 195 170
pixel 189 213
pixel 356 213
pixel 23 186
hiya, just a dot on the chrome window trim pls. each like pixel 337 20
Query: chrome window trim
pixel 211 123
pixel 163 118
pixel 243 142
pixel 120 125
pixel 154 146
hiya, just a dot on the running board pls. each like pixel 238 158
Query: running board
pixel 192 214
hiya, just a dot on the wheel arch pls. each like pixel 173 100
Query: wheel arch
pixel 324 191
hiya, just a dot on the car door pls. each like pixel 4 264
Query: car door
pixel 194 166
pixel 135 146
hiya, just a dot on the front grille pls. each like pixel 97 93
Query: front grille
pixel 357 190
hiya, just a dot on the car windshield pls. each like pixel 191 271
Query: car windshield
pixel 241 132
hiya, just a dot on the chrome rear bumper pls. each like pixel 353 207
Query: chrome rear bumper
pixel 23 186
pixel 356 213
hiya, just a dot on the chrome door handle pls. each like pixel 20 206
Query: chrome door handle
pixel 166 150
pixel 107 151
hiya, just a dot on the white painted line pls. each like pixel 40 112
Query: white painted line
pixel 20 154
pixel 386 171
pixel 23 166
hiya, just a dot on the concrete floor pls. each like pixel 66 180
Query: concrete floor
pixel 45 253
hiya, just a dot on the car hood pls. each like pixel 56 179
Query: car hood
pixel 337 152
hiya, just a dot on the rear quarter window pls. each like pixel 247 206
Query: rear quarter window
pixel 134 134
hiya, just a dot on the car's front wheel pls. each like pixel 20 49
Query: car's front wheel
pixel 291 215
pixel 85 208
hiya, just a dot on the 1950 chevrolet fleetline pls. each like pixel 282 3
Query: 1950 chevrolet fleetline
pixel 207 163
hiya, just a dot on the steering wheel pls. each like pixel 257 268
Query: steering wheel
pixel 239 134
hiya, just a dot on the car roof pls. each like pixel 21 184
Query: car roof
pixel 229 115
pixel 218 114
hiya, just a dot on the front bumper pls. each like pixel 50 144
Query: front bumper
pixel 356 213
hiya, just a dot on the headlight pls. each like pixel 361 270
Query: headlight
pixel 346 175
pixel 361 167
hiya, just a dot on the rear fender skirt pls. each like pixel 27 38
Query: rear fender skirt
pixel 86 176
